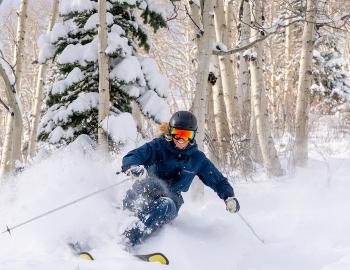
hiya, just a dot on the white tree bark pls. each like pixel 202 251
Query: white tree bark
pixel 137 115
pixel 204 55
pixel 103 86
pixel 19 55
pixel 220 119
pixel 39 90
pixel 288 79
pixel 273 90
pixel 15 116
pixel 244 76
pixel 244 92
pixel 268 150
pixel 226 68
pixel 199 106
pixel 212 133
pixel 14 126
pixel 304 83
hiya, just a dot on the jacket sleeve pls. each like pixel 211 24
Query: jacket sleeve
pixel 214 179
pixel 144 155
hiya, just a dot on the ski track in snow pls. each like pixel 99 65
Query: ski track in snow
pixel 303 220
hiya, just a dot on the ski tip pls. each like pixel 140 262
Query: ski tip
pixel 154 257
pixel 85 256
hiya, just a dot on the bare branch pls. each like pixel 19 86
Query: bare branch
pixel 2 57
pixel 342 17
pixel 175 10
pixel 9 87
pixel 189 15
pixel 5 106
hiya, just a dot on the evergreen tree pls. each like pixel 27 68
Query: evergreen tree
pixel 72 100
pixel 331 85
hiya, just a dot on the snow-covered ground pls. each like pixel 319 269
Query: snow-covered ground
pixel 302 218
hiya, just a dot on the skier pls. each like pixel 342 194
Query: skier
pixel 164 168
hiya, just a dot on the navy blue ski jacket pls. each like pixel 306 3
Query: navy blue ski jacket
pixel 177 167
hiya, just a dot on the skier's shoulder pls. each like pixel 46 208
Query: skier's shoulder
pixel 200 156
pixel 155 143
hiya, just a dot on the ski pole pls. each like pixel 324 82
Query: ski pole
pixel 10 229
pixel 251 228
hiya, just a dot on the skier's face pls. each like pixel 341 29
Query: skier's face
pixel 180 143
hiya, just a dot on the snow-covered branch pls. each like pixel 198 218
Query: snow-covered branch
pixel 266 33
pixel 274 29
pixel 327 21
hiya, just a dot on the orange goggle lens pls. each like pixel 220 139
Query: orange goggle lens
pixel 184 134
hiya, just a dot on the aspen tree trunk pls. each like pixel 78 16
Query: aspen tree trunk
pixel 231 27
pixel 189 59
pixel 246 165
pixel 304 83
pixel 266 142
pixel 226 69
pixel 103 83
pixel 244 76
pixel 6 157
pixel 255 149
pixel 14 125
pixel 220 119
pixel 204 54
pixel 212 134
pixel 200 100
pixel 197 188
pixel 137 115
pixel 288 79
pixel 198 29
pixel 19 56
pixel 274 102
pixel 273 83
pixel 39 90
pixel 197 26
pixel 7 164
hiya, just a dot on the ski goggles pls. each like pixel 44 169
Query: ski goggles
pixel 186 135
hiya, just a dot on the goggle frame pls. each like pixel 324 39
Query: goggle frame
pixel 177 136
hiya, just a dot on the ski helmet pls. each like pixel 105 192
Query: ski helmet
pixel 183 120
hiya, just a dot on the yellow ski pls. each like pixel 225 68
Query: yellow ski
pixel 152 257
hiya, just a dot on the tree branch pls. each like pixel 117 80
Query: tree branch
pixel 189 15
pixel 175 10
pixel 265 35
pixel 5 106
pixel 8 86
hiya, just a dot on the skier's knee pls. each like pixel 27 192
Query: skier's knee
pixel 168 207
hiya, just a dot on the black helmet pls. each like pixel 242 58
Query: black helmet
pixel 183 120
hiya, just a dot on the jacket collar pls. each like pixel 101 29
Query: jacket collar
pixel 189 150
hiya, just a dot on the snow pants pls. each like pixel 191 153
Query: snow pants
pixel 150 203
